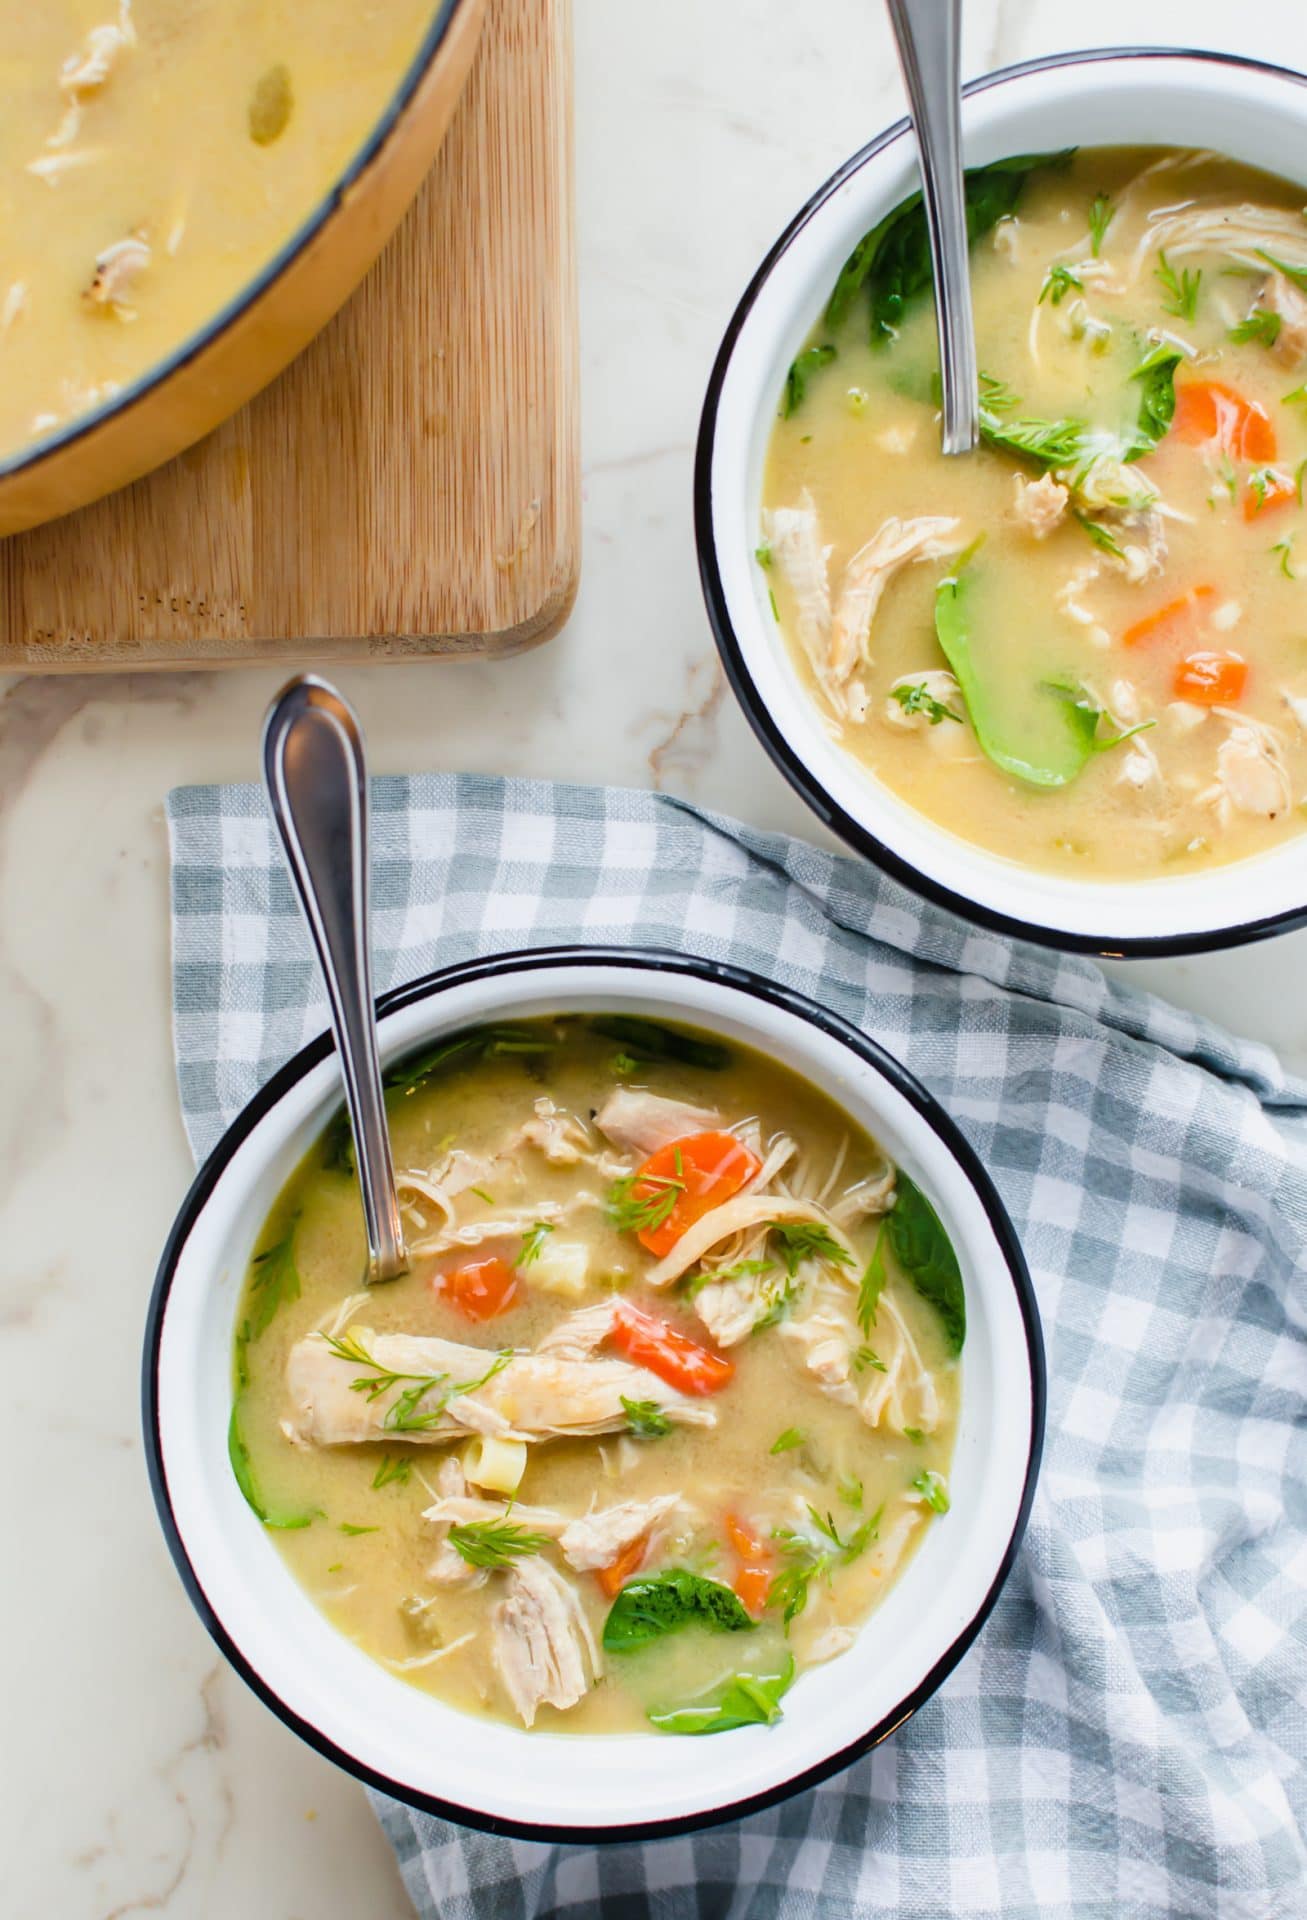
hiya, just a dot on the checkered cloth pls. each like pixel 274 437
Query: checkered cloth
pixel 1126 1739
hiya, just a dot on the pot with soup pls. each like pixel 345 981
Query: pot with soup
pixel 710 1403
pixel 190 189
pixel 1079 649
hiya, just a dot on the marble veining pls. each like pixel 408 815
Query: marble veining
pixel 141 1777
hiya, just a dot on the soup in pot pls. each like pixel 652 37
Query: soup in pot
pixel 1083 646
pixel 154 156
pixel 662 1409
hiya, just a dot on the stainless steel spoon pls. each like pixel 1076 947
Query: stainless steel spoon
pixel 315 772
pixel 928 33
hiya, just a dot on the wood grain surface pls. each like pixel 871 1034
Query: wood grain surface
pixel 410 485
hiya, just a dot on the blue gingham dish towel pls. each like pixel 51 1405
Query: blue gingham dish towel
pixel 1126 1739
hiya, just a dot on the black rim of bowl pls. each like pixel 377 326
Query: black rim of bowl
pixel 245 296
pixel 805 782
pixel 651 961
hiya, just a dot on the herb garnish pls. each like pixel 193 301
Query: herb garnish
pixel 274 1280
pixel 494 1543
pixel 1099 534
pixel 533 1243
pixel 917 699
pixel 394 1467
pixel 347 1527
pixel 809 1561
pixel 646 1211
pixel 873 1280
pixel 1101 215
pixel 1260 325
pixel 1285 550
pixel 787 1441
pixel 645 1419
pixel 1058 282
pixel 1298 275
pixel 407 1412
pixel 1181 288
pixel 933 1489
pixel 807 1240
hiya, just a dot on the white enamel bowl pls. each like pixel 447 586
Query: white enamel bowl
pixel 546 1785
pixel 1255 113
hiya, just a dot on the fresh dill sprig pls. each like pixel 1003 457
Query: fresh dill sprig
pixel 809 1561
pixel 1099 534
pixel 1101 214
pixel 800 1240
pixel 787 1441
pixel 1260 325
pixel 1181 288
pixel 872 1282
pixel 394 1468
pixel 494 1543
pixel 1058 282
pixel 933 1489
pixel 411 1411
pixel 533 1243
pixel 649 1208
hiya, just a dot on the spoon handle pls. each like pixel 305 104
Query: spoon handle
pixel 315 772
pixel 928 33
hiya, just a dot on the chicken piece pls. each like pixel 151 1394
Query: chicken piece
pixel 737 1216
pixel 904 1394
pixel 874 1195
pixel 1039 505
pixel 639 1122
pixel 932 707
pixel 559 1136
pixel 794 536
pixel 1250 775
pixel 596 1539
pixel 1280 296
pixel 869 572
pixel 731 1309
pixel 826 1339
pixel 116 271
pixel 541 1641
pixel 1297 705
pixel 87 70
pixel 1110 485
pixel 556 1392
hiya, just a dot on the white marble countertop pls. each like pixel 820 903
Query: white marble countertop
pixel 139 1775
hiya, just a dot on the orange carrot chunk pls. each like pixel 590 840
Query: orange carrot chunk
pixel 692 1176
pixel 614 1577
pixel 1211 679
pixel 481 1289
pixel 754 1575
pixel 1162 617
pixel 649 1342
pixel 1266 491
pixel 1208 410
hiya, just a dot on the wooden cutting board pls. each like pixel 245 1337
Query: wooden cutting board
pixel 411 484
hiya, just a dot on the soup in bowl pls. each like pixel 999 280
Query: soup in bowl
pixel 1061 678
pixel 710 1405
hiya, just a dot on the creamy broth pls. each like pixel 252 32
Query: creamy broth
pixel 154 155
pixel 832 1410
pixel 1161 593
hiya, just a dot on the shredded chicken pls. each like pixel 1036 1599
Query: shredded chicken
pixel 87 70
pixel 736 1216
pixel 1040 505
pixel 1280 296
pixel 869 572
pixel 794 537
pixel 116 271
pixel 542 1644
pixel 1250 776
pixel 904 1394
pixel 639 1122
pixel 596 1539
pixel 560 1390
pixel 559 1136
pixel 1243 232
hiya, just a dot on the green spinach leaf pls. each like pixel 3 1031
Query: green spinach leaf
pixel 810 361
pixel 648 1040
pixel 893 260
pixel 239 1455
pixel 662 1603
pixel 925 1254
pixel 747 1700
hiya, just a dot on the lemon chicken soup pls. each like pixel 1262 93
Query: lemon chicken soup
pixel 1083 646
pixel 154 155
pixel 662 1409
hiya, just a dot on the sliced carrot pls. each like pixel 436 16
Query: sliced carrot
pixel 754 1575
pixel 650 1342
pixel 614 1577
pixel 481 1289
pixel 1208 410
pixel 1211 679
pixel 700 1171
pixel 1272 490
pixel 1153 623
